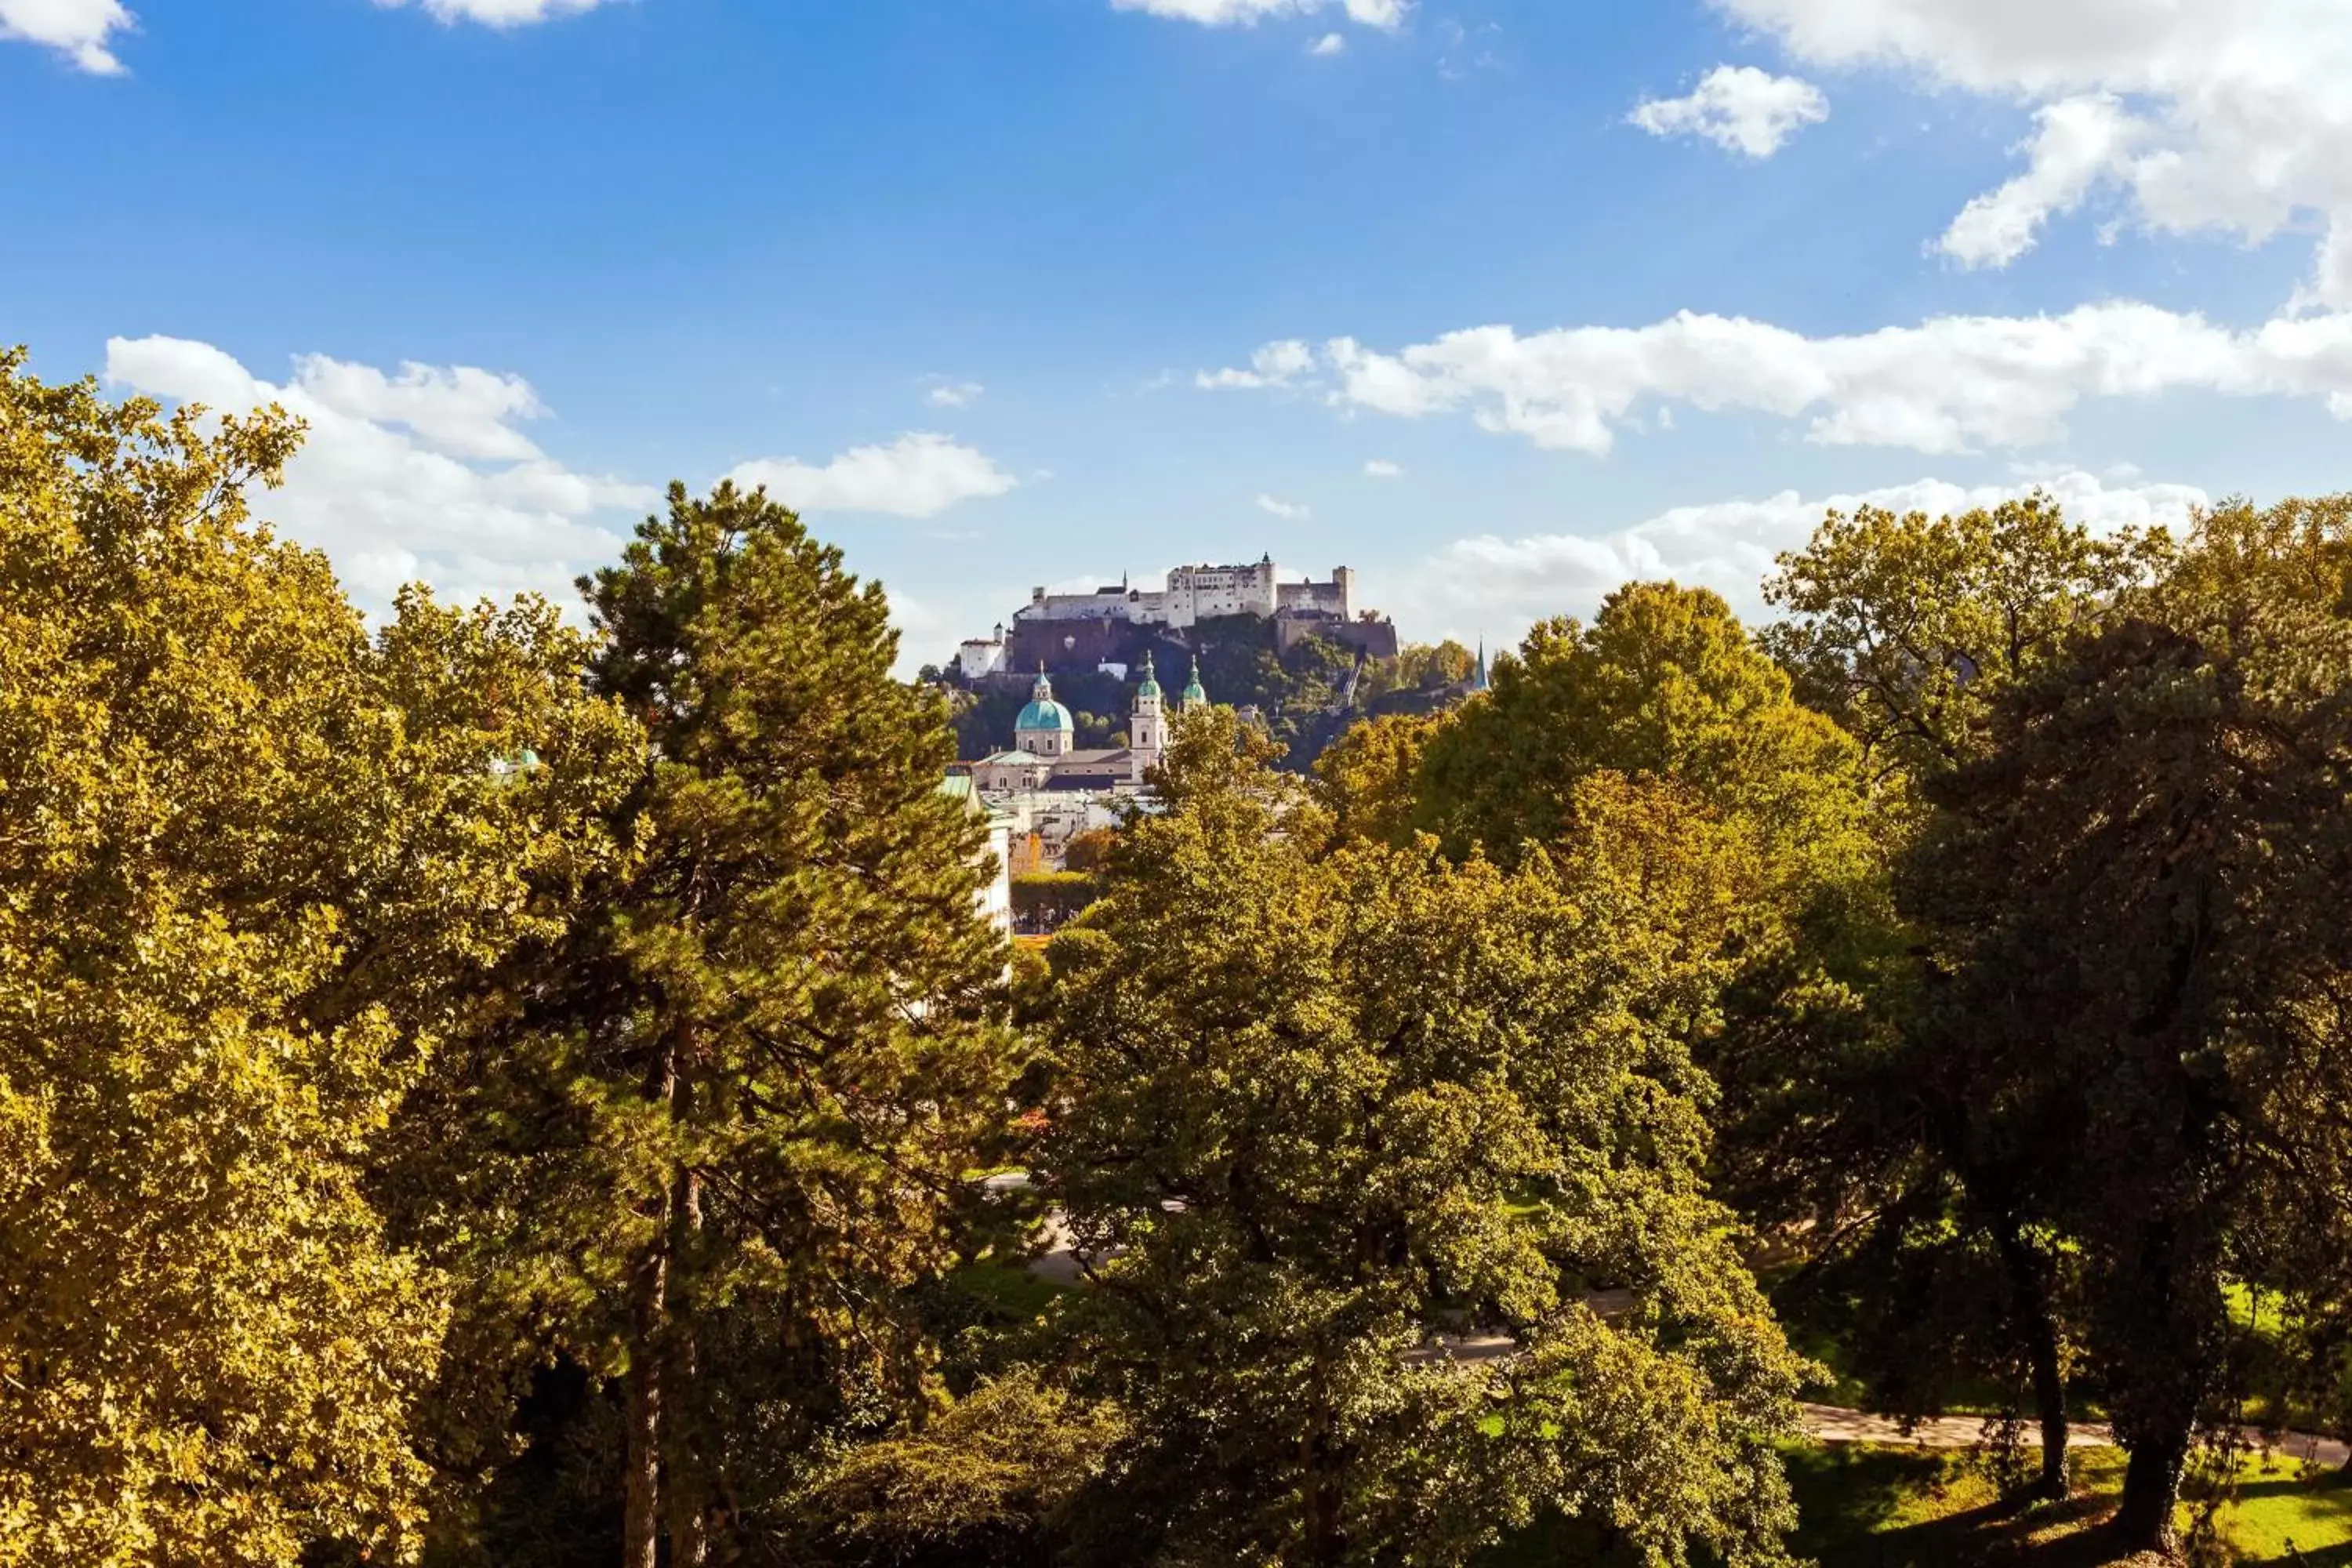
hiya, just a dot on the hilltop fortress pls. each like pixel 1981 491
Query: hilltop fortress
pixel 1061 630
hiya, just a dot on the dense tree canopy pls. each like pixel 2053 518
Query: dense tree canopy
pixel 479 1090
pixel 2163 1001
pixel 1663 684
pixel 1314 1106
pixel 725 1129
pixel 257 869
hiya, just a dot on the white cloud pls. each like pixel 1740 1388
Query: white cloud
pixel 1381 469
pixel 460 410
pixel 418 475
pixel 918 474
pixel 78 29
pixel 2230 115
pixel 2077 143
pixel 1386 15
pixel 1289 511
pixel 1503 585
pixel 1276 364
pixel 1328 44
pixel 499 14
pixel 946 394
pixel 1740 108
pixel 1950 383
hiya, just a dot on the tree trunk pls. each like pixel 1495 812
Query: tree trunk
pixel 641 1520
pixel 648 1353
pixel 689 1490
pixel 1326 1545
pixel 2028 1298
pixel 2049 1401
pixel 2152 1495
pixel 1325 1541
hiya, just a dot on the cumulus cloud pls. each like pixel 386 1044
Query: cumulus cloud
pixel 1740 108
pixel 1328 44
pixel 1951 384
pixel 1276 364
pixel 918 474
pixel 946 394
pixel 1381 469
pixel 499 14
pixel 2076 143
pixel 417 475
pixel 1503 585
pixel 1386 15
pixel 2228 115
pixel 78 29
pixel 1289 511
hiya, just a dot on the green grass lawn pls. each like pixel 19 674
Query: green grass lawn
pixel 1871 1506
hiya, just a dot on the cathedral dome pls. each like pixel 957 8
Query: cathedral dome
pixel 1043 712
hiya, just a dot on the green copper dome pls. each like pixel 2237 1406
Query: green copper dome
pixel 1150 687
pixel 1193 691
pixel 1043 712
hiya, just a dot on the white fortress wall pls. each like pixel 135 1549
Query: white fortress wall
pixel 1200 592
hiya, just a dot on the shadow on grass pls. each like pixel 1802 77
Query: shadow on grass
pixel 1881 1506
pixel 1894 1508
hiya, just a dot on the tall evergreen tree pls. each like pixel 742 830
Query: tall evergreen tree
pixel 726 1129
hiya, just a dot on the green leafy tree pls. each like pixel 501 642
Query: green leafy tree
pixel 1751 806
pixel 998 1480
pixel 2136 890
pixel 1665 684
pixel 1906 629
pixel 1418 668
pixel 725 1129
pixel 1370 778
pixel 1312 1108
pixel 256 868
pixel 1910 630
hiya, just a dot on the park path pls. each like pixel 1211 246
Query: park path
pixel 1824 1423
pixel 1828 1424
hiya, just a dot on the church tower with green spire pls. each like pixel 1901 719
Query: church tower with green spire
pixel 1147 728
pixel 1195 697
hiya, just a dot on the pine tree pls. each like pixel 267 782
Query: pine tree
pixel 729 1124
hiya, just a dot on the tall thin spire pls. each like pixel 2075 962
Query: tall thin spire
pixel 1195 695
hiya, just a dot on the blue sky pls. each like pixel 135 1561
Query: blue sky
pixel 952 274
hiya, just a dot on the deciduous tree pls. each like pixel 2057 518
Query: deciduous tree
pixel 1313 1108
pixel 254 866
pixel 2138 889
